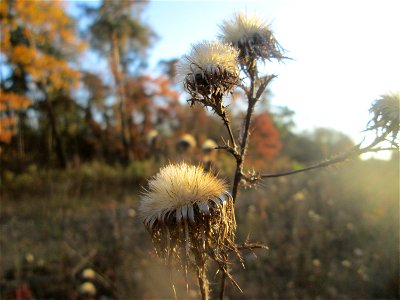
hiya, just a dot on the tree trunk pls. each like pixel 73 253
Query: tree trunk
pixel 115 68
pixel 57 138
pixel 21 145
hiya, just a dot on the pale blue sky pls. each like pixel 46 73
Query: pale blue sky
pixel 345 53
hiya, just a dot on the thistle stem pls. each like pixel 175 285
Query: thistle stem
pixel 201 274
pixel 355 151
pixel 222 286
pixel 244 141
pixel 228 127
pixel 201 277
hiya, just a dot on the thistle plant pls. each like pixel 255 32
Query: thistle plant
pixel 252 37
pixel 188 211
pixel 385 120
pixel 208 73
pixel 190 216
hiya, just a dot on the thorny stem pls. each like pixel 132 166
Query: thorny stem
pixel 222 286
pixel 252 97
pixel 201 275
pixel 243 146
pixel 228 127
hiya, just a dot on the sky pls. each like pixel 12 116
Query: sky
pixel 345 54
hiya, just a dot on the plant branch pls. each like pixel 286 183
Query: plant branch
pixel 222 286
pixel 201 277
pixel 229 129
pixel 243 146
pixel 252 96
pixel 251 246
pixel 355 151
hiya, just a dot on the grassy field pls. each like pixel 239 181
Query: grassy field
pixel 331 233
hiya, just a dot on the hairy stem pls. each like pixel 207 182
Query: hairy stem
pixel 203 284
pixel 222 287
pixel 201 275
pixel 228 127
pixel 252 100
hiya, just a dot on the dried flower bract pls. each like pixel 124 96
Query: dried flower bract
pixel 189 215
pixel 252 36
pixel 209 72
pixel 386 111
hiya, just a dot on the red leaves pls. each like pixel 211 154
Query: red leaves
pixel 265 140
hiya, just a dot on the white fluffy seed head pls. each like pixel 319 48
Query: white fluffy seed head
pixel 242 27
pixel 178 185
pixel 208 58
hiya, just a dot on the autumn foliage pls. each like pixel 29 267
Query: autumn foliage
pixel 37 39
pixel 10 105
pixel 265 141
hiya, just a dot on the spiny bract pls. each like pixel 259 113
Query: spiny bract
pixel 252 37
pixel 177 186
pixel 242 26
pixel 208 58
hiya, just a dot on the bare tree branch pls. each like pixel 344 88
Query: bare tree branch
pixel 355 151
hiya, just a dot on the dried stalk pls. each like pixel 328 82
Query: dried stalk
pixel 353 152
pixel 253 96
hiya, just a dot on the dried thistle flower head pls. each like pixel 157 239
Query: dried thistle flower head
pixel 189 214
pixel 208 146
pixel 209 72
pixel 252 36
pixel 88 274
pixel 386 111
pixel 87 289
pixel 186 142
pixel 151 136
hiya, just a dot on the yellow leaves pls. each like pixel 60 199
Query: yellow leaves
pixel 9 103
pixel 3 8
pixel 7 128
pixel 43 16
pixel 42 23
pixel 23 55
pixel 46 22
pixel 45 68
pixel 6 133
pixel 5 45
pixel 12 101
pixel 6 24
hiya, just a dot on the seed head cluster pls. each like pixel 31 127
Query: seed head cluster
pixel 252 36
pixel 189 215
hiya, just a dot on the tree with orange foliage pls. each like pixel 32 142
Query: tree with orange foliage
pixel 38 39
pixel 265 141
